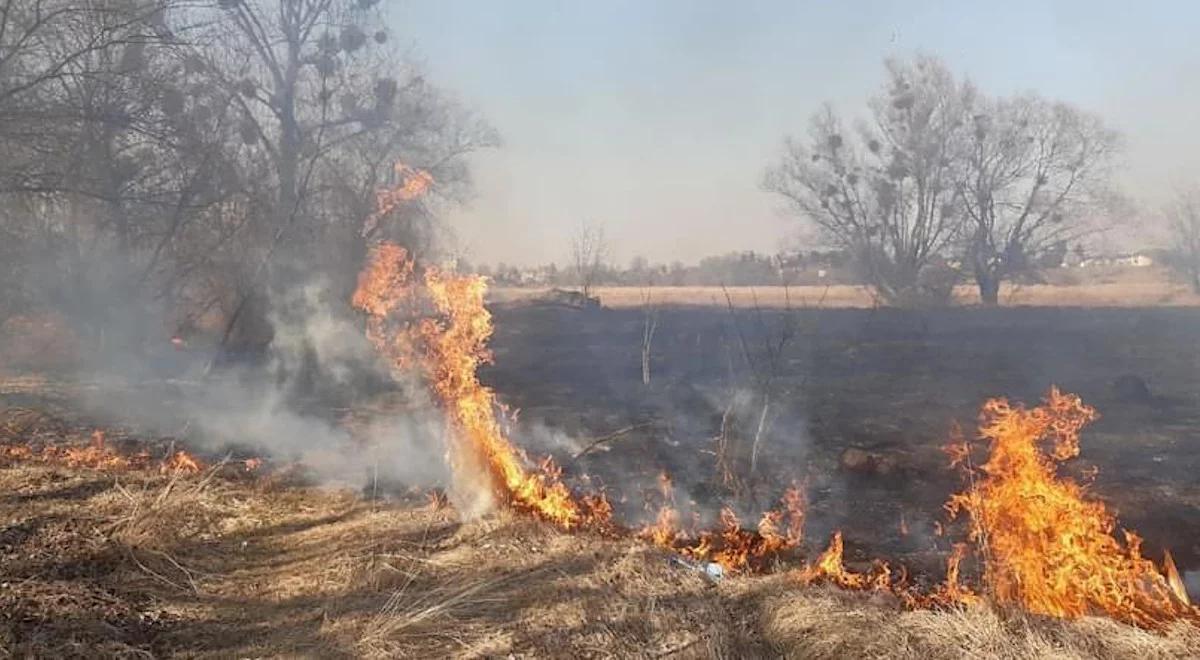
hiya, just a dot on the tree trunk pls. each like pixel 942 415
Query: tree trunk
pixel 989 288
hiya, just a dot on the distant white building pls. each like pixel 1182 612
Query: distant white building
pixel 1137 260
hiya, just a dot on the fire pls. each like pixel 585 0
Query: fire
pixel 1045 546
pixel 181 462
pixel 99 455
pixel 413 183
pixel 448 348
pixel 96 455
pixel 735 548
pixel 1042 544
pixel 1173 580
pixel 830 567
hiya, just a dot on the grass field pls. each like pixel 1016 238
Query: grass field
pixel 140 564
pixel 1138 294
pixel 146 566
pixel 1112 289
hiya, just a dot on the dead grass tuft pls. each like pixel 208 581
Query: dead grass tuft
pixel 153 566
pixel 823 624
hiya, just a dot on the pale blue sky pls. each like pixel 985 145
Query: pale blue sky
pixel 658 118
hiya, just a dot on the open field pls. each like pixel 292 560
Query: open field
pixel 1136 294
pixel 1148 287
pixel 885 382
pixel 132 564
pixel 98 565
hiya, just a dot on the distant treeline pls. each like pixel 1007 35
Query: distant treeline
pixel 739 268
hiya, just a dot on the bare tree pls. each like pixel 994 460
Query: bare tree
pixel 194 157
pixel 1035 175
pixel 1183 217
pixel 325 112
pixel 749 412
pixel 589 253
pixel 884 192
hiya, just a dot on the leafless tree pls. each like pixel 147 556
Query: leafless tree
pixel 750 410
pixel 1035 175
pixel 1183 217
pixel 43 45
pixel 325 111
pixel 885 191
pixel 184 155
pixel 589 253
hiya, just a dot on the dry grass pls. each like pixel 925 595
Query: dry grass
pixel 154 566
pixel 1124 292
pixel 813 624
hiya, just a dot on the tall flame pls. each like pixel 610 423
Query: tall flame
pixel 448 347
pixel 1046 547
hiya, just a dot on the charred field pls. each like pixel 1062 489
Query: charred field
pixel 865 401
pixel 221 563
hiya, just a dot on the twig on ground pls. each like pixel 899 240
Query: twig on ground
pixel 609 438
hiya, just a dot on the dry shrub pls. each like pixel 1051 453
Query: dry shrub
pixel 154 519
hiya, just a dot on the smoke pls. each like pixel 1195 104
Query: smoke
pixel 316 394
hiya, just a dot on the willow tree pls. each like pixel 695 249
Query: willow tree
pixel 325 108
pixel 1035 175
pixel 885 191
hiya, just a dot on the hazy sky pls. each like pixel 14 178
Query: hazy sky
pixel 657 118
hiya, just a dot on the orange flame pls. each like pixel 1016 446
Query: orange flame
pixel 1173 580
pixel 181 462
pixel 413 184
pixel 449 348
pixel 1046 547
pixel 736 549
pixel 98 455
pixel 830 567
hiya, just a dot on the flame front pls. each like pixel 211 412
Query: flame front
pixel 448 347
pixel 1045 546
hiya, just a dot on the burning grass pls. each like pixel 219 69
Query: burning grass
pixel 1043 545
pixel 242 571
pixel 1046 546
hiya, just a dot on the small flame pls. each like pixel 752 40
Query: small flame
pixel 736 549
pixel 830 567
pixel 181 462
pixel 1178 588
